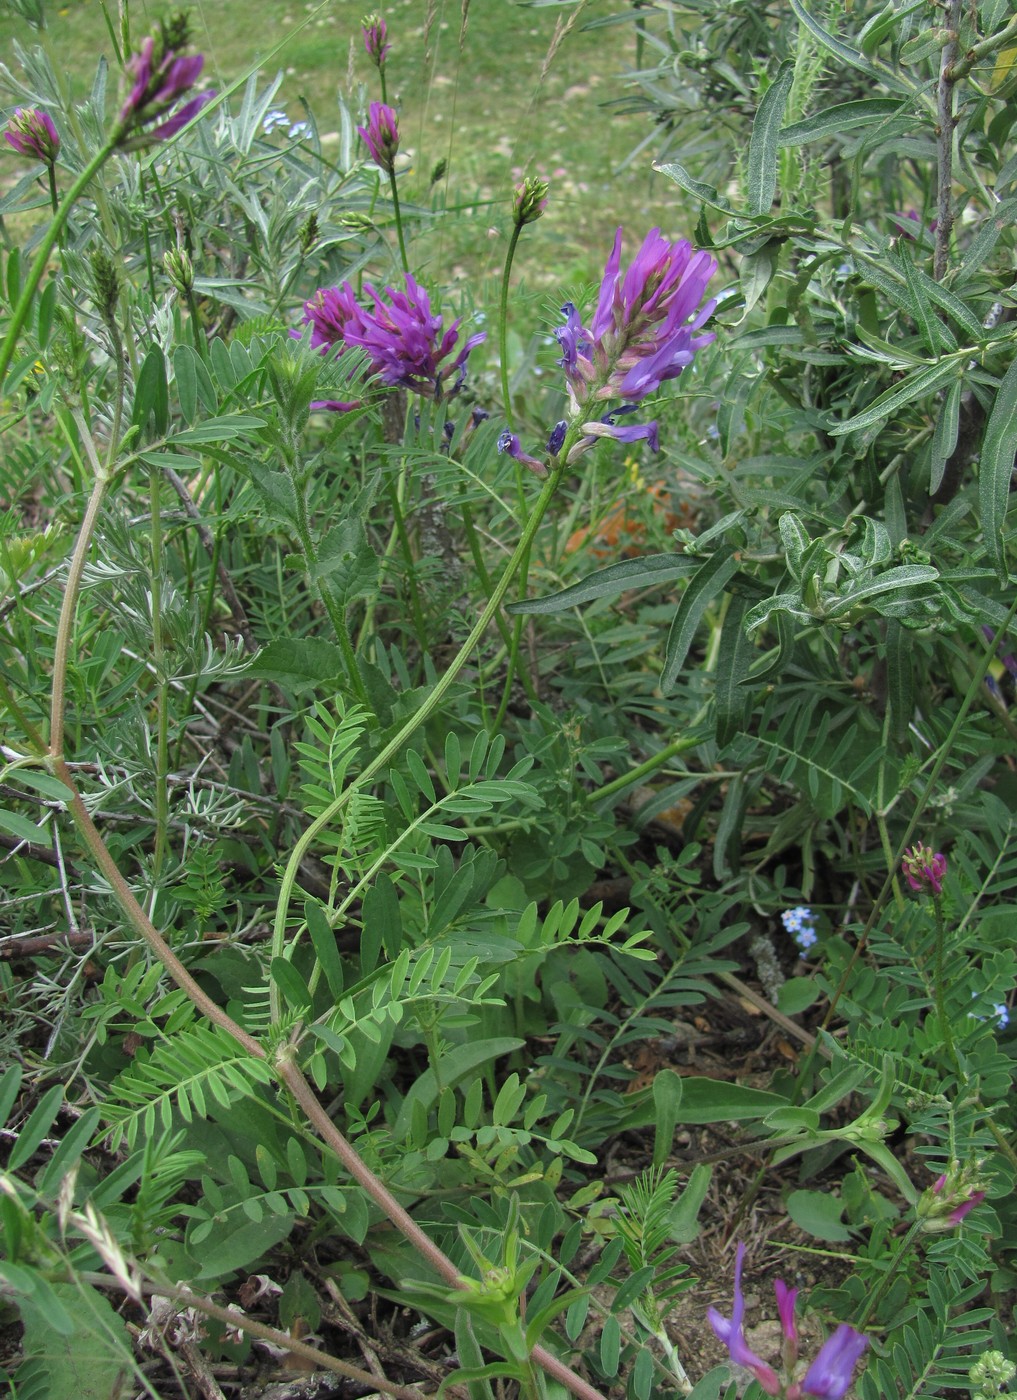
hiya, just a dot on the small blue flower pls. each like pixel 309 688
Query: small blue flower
pixel 1002 1015
pixel 800 924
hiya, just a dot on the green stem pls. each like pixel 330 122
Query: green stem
pixel 643 770
pixel 977 52
pixel 54 198
pixel 20 313
pixel 876 1297
pixel 416 611
pixel 335 612
pixel 503 323
pixel 946 1030
pixel 419 718
pixel 398 220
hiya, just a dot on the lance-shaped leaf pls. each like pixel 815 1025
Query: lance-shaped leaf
pixel 616 578
pixel 708 583
pixel 996 468
pixel 765 140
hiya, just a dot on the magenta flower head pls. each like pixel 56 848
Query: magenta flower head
pixel 161 76
pixel 644 329
pixel 375 33
pixel 829 1376
pixel 731 1334
pixel 381 136
pixel 31 132
pixel 923 870
pixel 405 342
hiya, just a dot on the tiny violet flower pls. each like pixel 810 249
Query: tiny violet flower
pixel 829 1376
pixel 1001 1013
pixel 509 442
pixel 731 1334
pixel 31 132
pixel 375 32
pixel 530 201
pixel 923 870
pixel 381 136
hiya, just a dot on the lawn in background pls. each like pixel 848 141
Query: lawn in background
pixel 484 109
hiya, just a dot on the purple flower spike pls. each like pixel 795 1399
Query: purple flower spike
pixel 381 136
pixel 830 1374
pixel 923 870
pixel 375 33
pixel 405 342
pixel 643 328
pixel 731 1334
pixel 31 132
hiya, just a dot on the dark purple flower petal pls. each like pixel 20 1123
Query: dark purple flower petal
pixel 572 338
pixel 557 437
pixel 509 442
pixel 830 1374
pixel 181 117
pixel 334 405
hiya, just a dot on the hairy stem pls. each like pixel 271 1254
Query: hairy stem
pixel 945 122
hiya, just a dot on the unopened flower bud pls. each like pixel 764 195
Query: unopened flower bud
pixel 309 233
pixel 106 281
pixel 375 35
pixel 530 200
pixel 179 270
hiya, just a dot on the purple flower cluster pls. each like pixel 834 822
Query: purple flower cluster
pixel 829 1376
pixel 375 33
pixel 159 80
pixel 405 341
pixel 952 1196
pixel 381 136
pixel 923 870
pixel 643 332
pixel 31 132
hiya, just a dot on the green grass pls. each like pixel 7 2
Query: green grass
pixel 483 109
